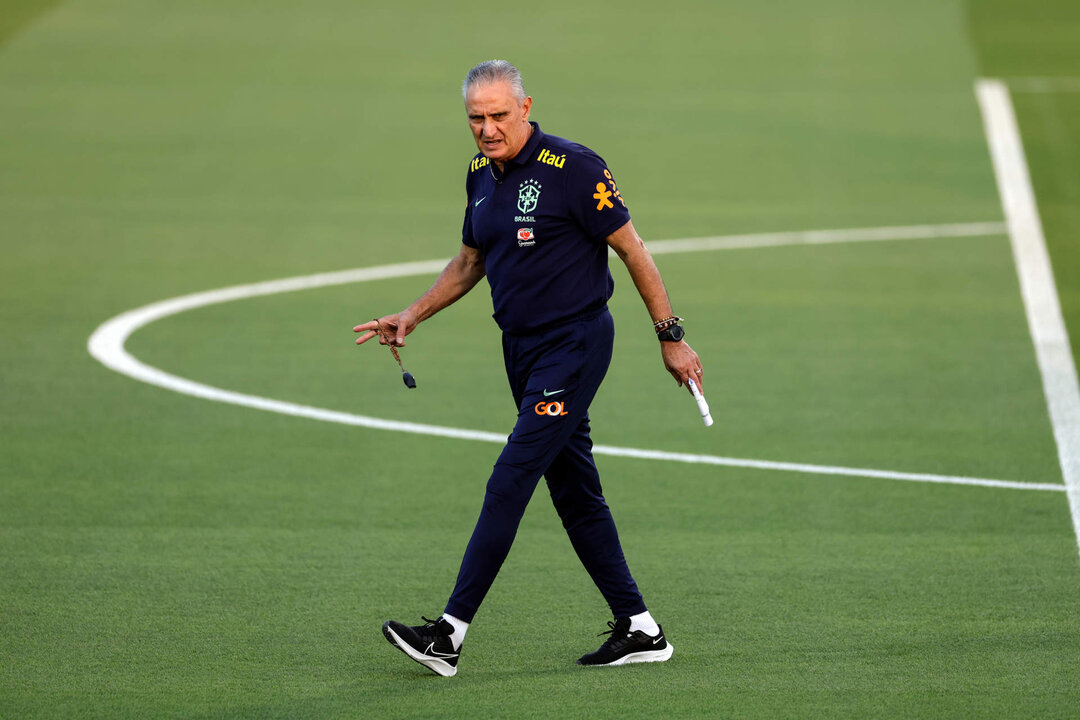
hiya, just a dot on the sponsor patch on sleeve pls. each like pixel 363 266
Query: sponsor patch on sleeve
pixel 603 196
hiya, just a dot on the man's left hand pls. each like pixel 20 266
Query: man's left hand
pixel 683 363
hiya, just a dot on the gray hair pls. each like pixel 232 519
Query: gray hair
pixel 494 71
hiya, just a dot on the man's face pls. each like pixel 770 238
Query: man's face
pixel 499 123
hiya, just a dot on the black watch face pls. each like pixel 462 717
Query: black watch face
pixel 677 333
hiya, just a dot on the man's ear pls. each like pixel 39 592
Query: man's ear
pixel 525 107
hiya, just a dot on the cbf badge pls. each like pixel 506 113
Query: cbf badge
pixel 528 196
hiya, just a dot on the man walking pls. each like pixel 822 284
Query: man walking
pixel 540 216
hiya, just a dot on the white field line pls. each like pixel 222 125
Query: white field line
pixel 1044 84
pixel 1052 350
pixel 107 346
pixel 826 237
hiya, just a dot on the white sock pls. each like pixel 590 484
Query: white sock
pixel 460 628
pixel 645 623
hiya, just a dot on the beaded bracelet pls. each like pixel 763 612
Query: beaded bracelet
pixel 661 325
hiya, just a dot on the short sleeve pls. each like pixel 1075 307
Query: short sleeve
pixel 594 198
pixel 466 226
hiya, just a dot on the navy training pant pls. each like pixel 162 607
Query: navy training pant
pixel 554 376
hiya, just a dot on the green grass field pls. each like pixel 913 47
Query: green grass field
pixel 162 556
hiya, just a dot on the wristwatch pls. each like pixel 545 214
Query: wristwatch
pixel 671 333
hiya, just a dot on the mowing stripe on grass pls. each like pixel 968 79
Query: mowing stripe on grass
pixel 1044 84
pixel 1052 350
pixel 107 346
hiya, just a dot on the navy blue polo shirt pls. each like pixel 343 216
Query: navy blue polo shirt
pixel 541 226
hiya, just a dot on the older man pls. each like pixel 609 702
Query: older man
pixel 540 216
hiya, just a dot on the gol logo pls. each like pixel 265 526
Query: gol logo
pixel 554 409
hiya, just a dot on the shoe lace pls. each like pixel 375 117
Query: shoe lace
pixel 434 629
pixel 619 635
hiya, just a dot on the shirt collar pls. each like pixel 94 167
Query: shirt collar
pixel 530 146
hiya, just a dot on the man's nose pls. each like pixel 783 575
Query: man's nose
pixel 487 129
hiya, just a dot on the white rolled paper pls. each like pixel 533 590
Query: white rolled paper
pixel 701 404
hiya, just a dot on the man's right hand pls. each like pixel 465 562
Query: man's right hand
pixel 390 329
pixel 458 277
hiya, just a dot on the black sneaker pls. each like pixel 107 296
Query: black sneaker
pixel 428 644
pixel 624 647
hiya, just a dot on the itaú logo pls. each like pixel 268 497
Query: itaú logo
pixel 554 409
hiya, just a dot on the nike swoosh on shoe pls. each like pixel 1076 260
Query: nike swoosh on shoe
pixel 432 652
